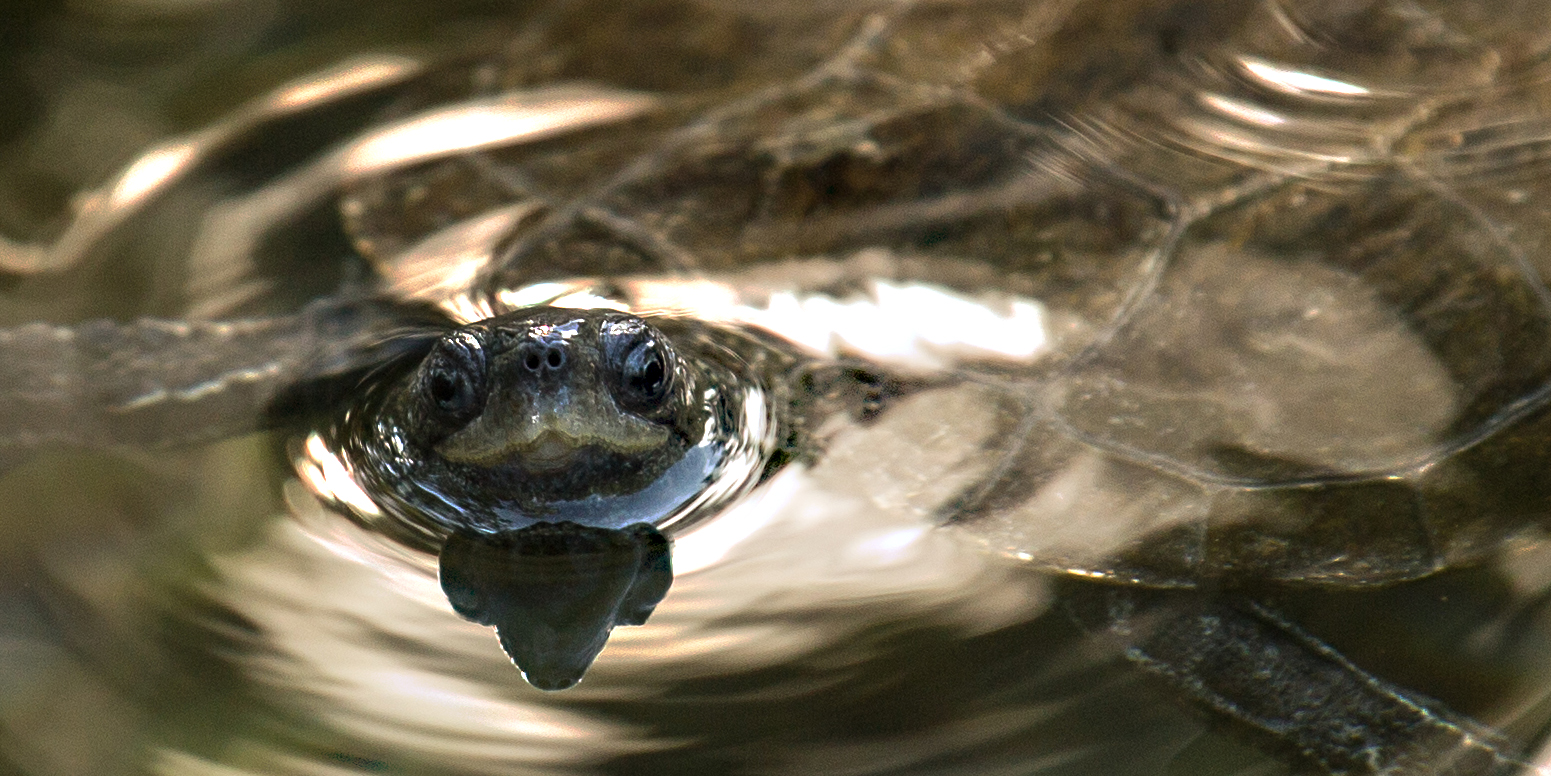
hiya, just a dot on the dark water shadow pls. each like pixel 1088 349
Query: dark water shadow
pixel 554 591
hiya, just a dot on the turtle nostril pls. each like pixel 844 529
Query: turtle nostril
pixel 542 357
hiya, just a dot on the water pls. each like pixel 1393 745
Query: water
pixel 1242 209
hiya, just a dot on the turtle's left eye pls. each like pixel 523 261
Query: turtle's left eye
pixel 639 363
pixel 452 381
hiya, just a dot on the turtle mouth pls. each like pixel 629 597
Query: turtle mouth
pixel 549 451
pixel 549 442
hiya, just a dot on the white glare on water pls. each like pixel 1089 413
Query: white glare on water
pixel 912 325
pixel 1292 81
pixel 327 476
pixel 511 118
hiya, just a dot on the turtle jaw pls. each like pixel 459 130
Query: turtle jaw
pixel 550 440
pixel 552 450
pixel 549 452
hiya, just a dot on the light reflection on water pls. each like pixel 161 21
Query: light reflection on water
pixel 359 635
pixel 361 640
pixel 338 647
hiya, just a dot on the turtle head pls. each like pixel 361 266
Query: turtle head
pixel 544 414
pixel 543 391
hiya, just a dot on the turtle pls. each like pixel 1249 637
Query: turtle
pixel 1260 289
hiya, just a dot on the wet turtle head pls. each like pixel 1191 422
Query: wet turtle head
pixel 545 414
pixel 545 392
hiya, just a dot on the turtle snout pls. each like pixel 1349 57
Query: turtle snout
pixel 548 361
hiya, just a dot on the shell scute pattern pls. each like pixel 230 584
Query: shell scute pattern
pixel 1291 319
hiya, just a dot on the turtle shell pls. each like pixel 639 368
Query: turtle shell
pixel 1294 315
pixel 1291 322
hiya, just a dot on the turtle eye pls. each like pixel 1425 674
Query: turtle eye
pixel 640 363
pixel 452 380
pixel 646 373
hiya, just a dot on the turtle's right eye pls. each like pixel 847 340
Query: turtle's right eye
pixel 452 380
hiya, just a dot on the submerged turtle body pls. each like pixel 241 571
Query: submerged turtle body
pixel 1285 267
pixel 1272 354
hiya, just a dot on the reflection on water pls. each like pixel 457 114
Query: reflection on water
pixel 555 591
pixel 1127 266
